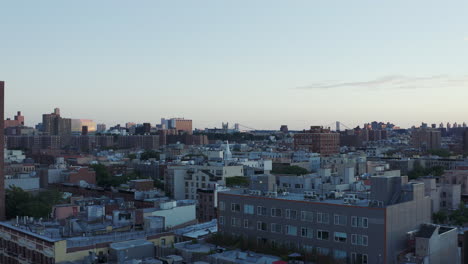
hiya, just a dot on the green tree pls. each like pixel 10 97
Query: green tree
pixel 439 217
pixel 292 170
pixel 237 181
pixel 22 203
pixel 440 152
pixel 149 154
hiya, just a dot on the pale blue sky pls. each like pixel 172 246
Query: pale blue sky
pixel 259 63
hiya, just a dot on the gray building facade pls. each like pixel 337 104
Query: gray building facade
pixel 353 230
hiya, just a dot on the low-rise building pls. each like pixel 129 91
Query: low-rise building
pixel 355 227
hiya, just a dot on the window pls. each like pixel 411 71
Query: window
pixel 235 222
pixel 340 220
pixel 235 207
pixel 246 223
pixel 341 237
pixel 308 248
pixel 222 206
pixel 323 235
pixel 221 220
pixel 291 230
pixel 340 254
pixel 359 240
pixel 261 210
pixel 291 214
pixel 307 232
pixel 307 216
pixel 365 222
pixel 249 209
pixel 276 228
pixel 323 218
pixel 362 222
pixel 323 251
pixel 275 212
pixel 262 226
pixel 357 258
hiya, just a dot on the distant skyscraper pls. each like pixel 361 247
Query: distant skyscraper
pixel 441 125
pixel 465 141
pixel 101 128
pixel 2 146
pixel 426 138
pixel 284 129
pixel 55 125
pixel 449 126
pixel 130 124
pixel 179 124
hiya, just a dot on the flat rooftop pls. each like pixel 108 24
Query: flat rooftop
pixel 300 197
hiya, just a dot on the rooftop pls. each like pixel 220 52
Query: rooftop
pixel 360 201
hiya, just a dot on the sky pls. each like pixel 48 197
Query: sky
pixel 260 63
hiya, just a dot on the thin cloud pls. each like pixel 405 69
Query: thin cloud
pixel 397 82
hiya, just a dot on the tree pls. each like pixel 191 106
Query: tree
pixel 149 154
pixel 440 152
pixel 237 181
pixel 292 170
pixel 22 203
pixel 439 217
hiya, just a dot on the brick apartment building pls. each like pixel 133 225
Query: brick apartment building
pixel 318 140
pixel 17 121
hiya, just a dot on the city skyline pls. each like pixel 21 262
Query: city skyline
pixel 260 64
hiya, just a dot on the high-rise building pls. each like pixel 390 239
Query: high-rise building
pixel 2 146
pixel 179 124
pixel 55 125
pixel 426 138
pixel 101 128
pixel 318 140
pixel 284 129
pixel 465 141
pixel 17 121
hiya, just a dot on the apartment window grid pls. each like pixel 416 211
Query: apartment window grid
pixel 249 209
pixel 323 235
pixel 360 240
pixel 307 232
pixel 236 222
pixel 341 237
pixel 262 226
pixel 275 212
pixel 261 210
pixel 291 214
pixel 359 222
pixel 323 251
pixel 246 223
pixel 222 206
pixel 340 220
pixel 307 216
pixel 357 258
pixel 323 218
pixel 235 207
pixel 276 228
pixel 221 220
pixel 290 230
